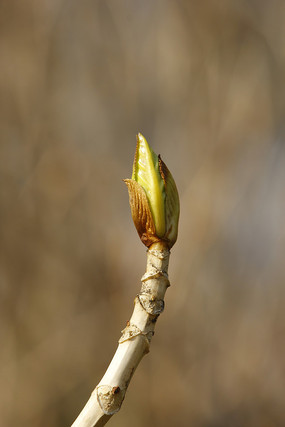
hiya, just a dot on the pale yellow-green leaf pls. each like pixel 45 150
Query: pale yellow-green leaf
pixel 146 173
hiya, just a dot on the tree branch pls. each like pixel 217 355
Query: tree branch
pixel 107 397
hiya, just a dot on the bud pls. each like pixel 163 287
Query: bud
pixel 153 197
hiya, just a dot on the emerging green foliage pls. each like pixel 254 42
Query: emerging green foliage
pixel 153 195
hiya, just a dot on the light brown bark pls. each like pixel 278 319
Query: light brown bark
pixel 134 343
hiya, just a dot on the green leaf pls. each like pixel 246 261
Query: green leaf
pixel 146 172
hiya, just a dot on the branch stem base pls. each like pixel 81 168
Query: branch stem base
pixel 134 343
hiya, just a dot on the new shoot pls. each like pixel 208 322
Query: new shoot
pixel 154 205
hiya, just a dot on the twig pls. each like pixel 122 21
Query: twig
pixel 154 205
pixel 107 397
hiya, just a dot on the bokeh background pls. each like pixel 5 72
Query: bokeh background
pixel 204 82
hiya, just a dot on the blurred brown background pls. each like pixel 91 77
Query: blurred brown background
pixel 204 82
